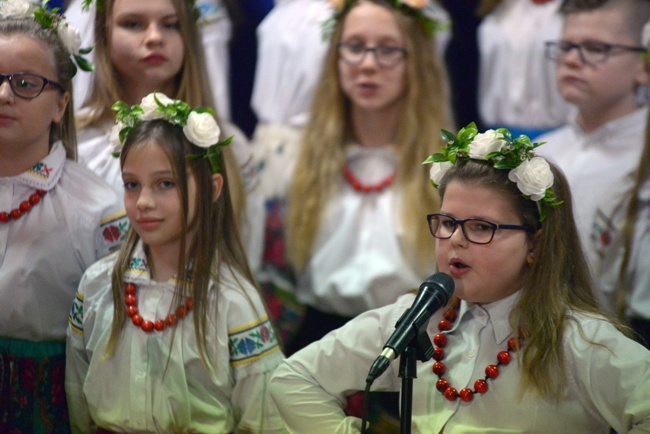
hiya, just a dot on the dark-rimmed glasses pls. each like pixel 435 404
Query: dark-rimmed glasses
pixel 28 86
pixel 476 231
pixel 385 55
pixel 591 52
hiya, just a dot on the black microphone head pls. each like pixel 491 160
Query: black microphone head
pixel 442 281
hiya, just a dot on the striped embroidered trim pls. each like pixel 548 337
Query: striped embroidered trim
pixel 252 342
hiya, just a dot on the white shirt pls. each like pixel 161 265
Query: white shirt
pixel 637 276
pixel 130 392
pixel 358 262
pixel 516 81
pixel 605 386
pixel 216 32
pixel 44 253
pixel 598 166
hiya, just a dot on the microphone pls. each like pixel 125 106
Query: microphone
pixel 434 293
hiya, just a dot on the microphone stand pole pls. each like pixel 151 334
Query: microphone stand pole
pixel 418 349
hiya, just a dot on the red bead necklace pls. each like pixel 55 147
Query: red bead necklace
pixel 358 186
pixel 24 207
pixel 131 302
pixel 491 371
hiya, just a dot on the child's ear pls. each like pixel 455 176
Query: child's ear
pixel 217 185
pixel 532 253
pixel 59 110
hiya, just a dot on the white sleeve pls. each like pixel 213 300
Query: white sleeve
pixel 612 374
pixel 311 387
pixel 76 368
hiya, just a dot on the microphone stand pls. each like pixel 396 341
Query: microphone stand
pixel 420 349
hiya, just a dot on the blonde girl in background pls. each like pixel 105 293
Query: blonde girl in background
pixel 141 47
pixel 357 188
pixel 170 334
pixel 56 217
pixel 521 347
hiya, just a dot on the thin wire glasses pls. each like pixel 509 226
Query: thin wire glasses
pixel 591 52
pixel 28 86
pixel 476 231
pixel 385 55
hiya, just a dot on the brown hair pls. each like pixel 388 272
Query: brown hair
pixel 215 242
pixel 319 167
pixel 556 284
pixel 64 130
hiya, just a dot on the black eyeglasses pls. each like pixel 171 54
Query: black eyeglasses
pixel 476 231
pixel 28 86
pixel 591 52
pixel 385 55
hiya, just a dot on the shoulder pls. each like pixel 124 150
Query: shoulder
pixel 587 332
pixel 97 275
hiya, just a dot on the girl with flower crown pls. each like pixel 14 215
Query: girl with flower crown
pixel 56 217
pixel 142 47
pixel 352 236
pixel 521 346
pixel 170 334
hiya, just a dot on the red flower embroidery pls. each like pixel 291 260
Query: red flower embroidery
pixel 111 233
pixel 265 333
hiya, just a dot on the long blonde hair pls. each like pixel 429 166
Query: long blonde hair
pixel 215 242
pixel 319 168
pixel 192 83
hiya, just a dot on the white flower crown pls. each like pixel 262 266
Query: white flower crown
pixel 50 19
pixel 199 124
pixel 531 173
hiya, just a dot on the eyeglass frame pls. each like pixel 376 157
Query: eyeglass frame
pixel 374 51
pixel 495 227
pixel 46 82
pixel 550 45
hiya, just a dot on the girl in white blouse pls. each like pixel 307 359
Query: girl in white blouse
pixel 357 187
pixel 170 335
pixel 56 217
pixel 521 347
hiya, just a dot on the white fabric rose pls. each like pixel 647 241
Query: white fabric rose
pixel 202 129
pixel 645 38
pixel 114 138
pixel 15 8
pixel 485 143
pixel 150 106
pixel 70 37
pixel 438 170
pixel 533 177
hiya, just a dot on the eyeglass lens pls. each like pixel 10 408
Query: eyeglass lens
pixel 475 230
pixel 25 85
pixel 354 53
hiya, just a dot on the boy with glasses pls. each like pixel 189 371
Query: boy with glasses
pixel 601 68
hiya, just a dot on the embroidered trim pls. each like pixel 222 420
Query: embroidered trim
pixel 76 317
pixel 252 342
pixel 114 229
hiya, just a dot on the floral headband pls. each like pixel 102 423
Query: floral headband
pixel 199 125
pixel 422 10
pixel 532 174
pixel 50 19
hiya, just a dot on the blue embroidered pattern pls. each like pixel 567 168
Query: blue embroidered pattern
pixel 76 317
pixel 252 342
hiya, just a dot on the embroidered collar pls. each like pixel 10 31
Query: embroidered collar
pixel 138 271
pixel 45 174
